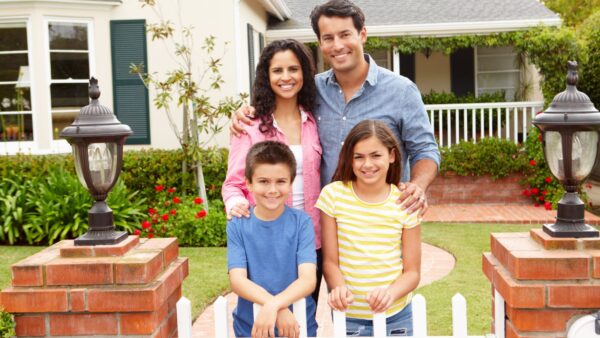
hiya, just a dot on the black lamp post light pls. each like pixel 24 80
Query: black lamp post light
pixel 97 138
pixel 570 133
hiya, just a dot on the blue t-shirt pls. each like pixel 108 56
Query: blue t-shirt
pixel 270 251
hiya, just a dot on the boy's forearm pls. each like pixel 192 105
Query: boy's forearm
pixel 300 288
pixel 247 289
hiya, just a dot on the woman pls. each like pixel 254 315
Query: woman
pixel 284 94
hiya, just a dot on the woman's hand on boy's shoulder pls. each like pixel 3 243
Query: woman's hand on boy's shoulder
pixel 340 298
pixel 286 323
pixel 241 209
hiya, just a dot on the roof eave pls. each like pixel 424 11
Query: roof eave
pixel 278 8
pixel 434 29
pixel 85 2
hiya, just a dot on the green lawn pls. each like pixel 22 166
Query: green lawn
pixel 208 274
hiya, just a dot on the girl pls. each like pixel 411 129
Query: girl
pixel 371 247
pixel 284 93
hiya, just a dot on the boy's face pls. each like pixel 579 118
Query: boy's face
pixel 270 186
pixel 341 44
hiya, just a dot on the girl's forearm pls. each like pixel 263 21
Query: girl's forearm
pixel 404 284
pixel 333 275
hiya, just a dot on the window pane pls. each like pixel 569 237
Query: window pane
pixel 64 35
pixel 9 71
pixel 69 95
pixel 69 65
pixel 16 128
pixel 14 98
pixel 61 120
pixel 13 38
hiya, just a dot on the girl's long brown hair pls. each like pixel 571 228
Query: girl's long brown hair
pixel 362 131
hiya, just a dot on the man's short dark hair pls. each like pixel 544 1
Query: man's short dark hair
pixel 339 8
pixel 269 152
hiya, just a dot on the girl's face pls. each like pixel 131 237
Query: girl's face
pixel 371 161
pixel 285 74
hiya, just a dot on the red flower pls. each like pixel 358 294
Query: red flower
pixel 137 232
pixel 535 191
pixel 150 235
pixel 198 200
pixel 544 193
pixel 173 212
pixel 159 188
pixel 588 185
pixel 526 192
pixel 548 206
pixel 532 163
pixel 146 225
pixel 201 214
pixel 165 217
pixel 541 198
pixel 540 137
pixel 538 113
pixel 151 211
pixel 536 205
pixel 176 200
pixel 171 190
pixel 548 179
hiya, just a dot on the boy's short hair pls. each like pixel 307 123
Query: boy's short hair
pixel 339 8
pixel 269 152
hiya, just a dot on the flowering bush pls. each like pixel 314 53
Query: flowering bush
pixel 170 212
pixel 542 187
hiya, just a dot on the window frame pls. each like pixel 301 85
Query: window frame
pixel 48 74
pixel 515 70
pixel 15 146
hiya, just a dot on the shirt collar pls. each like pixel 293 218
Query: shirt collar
pixel 303 117
pixel 371 75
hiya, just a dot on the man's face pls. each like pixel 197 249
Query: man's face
pixel 341 44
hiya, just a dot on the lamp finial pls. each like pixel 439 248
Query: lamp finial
pixel 94 89
pixel 572 77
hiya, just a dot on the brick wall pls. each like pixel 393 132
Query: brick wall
pixel 453 189
pixel 127 289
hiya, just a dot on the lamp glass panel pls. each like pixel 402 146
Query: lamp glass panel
pixel 554 154
pixel 585 148
pixel 102 159
pixel 78 166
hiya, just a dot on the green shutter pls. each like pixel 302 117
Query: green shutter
pixel 251 56
pixel 131 102
pixel 261 41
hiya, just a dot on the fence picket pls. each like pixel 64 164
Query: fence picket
pixel 419 307
pixel 379 325
pixel 339 324
pixel 184 318
pixel 221 314
pixel 459 316
pixel 498 315
pixel 299 308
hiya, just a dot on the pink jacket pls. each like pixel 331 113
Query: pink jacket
pixel 234 188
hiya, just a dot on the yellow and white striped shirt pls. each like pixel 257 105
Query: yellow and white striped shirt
pixel 369 242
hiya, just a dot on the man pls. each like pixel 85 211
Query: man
pixel 355 89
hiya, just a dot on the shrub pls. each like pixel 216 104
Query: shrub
pixel 590 68
pixel 7 325
pixel 492 156
pixel 207 231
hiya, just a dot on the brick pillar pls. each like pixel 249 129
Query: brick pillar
pixel 546 282
pixel 111 290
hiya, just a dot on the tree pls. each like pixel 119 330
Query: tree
pixel 573 12
pixel 190 90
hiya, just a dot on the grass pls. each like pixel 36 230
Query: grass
pixel 208 274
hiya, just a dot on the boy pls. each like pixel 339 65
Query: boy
pixel 271 256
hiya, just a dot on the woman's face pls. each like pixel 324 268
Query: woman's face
pixel 285 75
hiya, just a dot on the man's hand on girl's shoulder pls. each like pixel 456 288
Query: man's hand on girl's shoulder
pixel 412 198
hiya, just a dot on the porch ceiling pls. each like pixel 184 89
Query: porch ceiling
pixel 424 17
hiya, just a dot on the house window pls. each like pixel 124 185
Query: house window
pixel 382 57
pixel 497 70
pixel 69 64
pixel 15 95
pixel 256 43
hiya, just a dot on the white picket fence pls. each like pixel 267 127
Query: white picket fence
pixel 459 318
pixel 452 123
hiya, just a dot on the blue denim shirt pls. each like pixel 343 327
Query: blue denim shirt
pixel 384 96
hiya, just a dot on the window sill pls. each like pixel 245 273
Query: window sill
pixel 32 148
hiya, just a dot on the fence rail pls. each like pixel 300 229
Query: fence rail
pixel 452 123
pixel 459 318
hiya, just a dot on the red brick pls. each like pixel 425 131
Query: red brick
pixel 27 276
pixel 142 323
pixel 24 300
pixel 574 296
pixel 541 320
pixel 502 244
pixel 32 326
pixel 511 332
pixel 488 263
pixel 549 265
pixel 553 243
pixel 528 296
pixel 70 250
pixel 123 300
pixel 77 300
pixel 596 264
pixel 83 271
pixel 83 324
pixel 174 298
pixel 139 267
pixel 171 279
pixel 172 324
pixel 590 243
pixel 169 247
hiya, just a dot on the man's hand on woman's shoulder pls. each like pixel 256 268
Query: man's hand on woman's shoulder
pixel 240 118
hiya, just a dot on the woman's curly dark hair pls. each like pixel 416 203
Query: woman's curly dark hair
pixel 263 97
